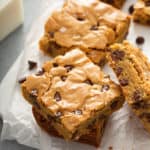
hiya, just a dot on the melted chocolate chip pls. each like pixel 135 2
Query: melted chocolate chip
pixel 88 81
pixel 118 71
pixel 32 64
pixel 69 67
pixel 51 34
pixel 34 93
pixel 40 72
pixel 124 82
pixel 140 40
pixel 94 27
pixel 58 114
pixel 137 96
pixel 105 88
pixel 131 9
pixel 57 96
pixel 78 112
pixel 21 80
pixel 55 65
pixel 117 55
pixel 63 78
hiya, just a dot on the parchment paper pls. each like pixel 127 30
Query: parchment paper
pixel 123 131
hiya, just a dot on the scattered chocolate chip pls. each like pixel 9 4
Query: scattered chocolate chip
pixel 55 65
pixel 88 81
pixel 124 82
pixel 58 114
pixel 118 71
pixel 140 40
pixel 131 9
pixel 114 105
pixel 32 64
pixel 34 93
pixel 40 72
pixel 147 3
pixel 105 88
pixel 63 78
pixel 57 96
pixel 51 34
pixel 80 19
pixel 117 55
pixel 21 80
pixel 94 27
pixel 137 96
pixel 78 112
pixel 69 67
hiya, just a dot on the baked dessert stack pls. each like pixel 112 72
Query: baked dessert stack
pixel 74 95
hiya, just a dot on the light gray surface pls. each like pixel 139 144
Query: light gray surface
pixel 10 48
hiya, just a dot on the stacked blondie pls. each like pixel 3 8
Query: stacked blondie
pixel 72 98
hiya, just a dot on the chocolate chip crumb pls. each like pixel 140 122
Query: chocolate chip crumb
pixel 105 88
pixel 137 96
pixel 118 71
pixel 32 64
pixel 78 112
pixel 40 72
pixel 63 78
pixel 140 40
pixel 117 55
pixel 21 80
pixel 68 67
pixel 58 114
pixel 88 81
pixel 57 96
pixel 94 27
pixel 80 19
pixel 124 82
pixel 55 65
pixel 34 93
pixel 131 9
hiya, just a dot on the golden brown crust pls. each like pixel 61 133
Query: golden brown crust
pixel 115 3
pixel 92 138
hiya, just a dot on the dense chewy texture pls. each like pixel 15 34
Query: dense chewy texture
pixel 73 92
pixel 90 25
pixel 93 136
pixel 142 11
pixel 133 71
pixel 115 3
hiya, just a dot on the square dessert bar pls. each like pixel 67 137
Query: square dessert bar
pixel 115 3
pixel 142 12
pixel 92 137
pixel 88 24
pixel 133 71
pixel 73 92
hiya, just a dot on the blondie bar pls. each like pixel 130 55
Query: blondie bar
pixel 133 71
pixel 73 93
pixel 92 137
pixel 141 12
pixel 115 3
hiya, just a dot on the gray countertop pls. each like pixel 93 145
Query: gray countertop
pixel 10 48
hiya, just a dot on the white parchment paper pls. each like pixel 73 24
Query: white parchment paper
pixel 123 131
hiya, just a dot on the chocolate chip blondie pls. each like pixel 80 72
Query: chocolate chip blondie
pixel 92 137
pixel 115 3
pixel 73 93
pixel 133 71
pixel 91 25
pixel 141 12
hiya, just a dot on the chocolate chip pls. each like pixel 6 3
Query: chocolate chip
pixel 21 80
pixel 63 78
pixel 80 18
pixel 114 105
pixel 88 81
pixel 55 65
pixel 139 40
pixel 57 96
pixel 40 72
pixel 131 9
pixel 94 27
pixel 69 67
pixel 105 88
pixel 110 148
pixel 51 34
pixel 32 64
pixel 42 119
pixel 53 46
pixel 78 112
pixel 147 3
pixel 34 93
pixel 136 105
pixel 145 115
pixel 58 114
pixel 124 82
pixel 137 96
pixel 118 71
pixel 36 105
pixel 102 62
pixel 117 55
pixel 111 1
